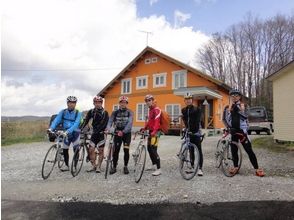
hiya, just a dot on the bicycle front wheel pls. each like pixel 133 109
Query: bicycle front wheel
pixel 108 160
pixel 232 152
pixel 49 161
pixel 78 160
pixel 140 160
pixel 189 161
pixel 221 145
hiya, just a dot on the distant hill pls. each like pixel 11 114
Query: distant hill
pixel 24 118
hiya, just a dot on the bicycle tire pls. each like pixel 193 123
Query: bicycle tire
pixel 227 159
pixel 221 145
pixel 50 159
pixel 140 164
pixel 186 169
pixel 77 160
pixel 108 161
pixel 60 161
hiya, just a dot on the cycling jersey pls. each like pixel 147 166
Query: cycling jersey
pixel 153 123
pixel 191 118
pixel 123 120
pixel 70 122
pixel 100 119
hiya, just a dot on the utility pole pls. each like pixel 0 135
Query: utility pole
pixel 147 35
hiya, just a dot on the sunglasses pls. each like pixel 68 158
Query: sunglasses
pixel 148 100
pixel 235 95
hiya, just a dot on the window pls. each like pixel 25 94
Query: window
pixel 142 82
pixel 159 80
pixel 154 60
pixel 147 61
pixel 142 111
pixel 174 111
pixel 115 107
pixel 126 86
pixel 179 79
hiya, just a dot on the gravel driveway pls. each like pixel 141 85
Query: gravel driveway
pixel 21 179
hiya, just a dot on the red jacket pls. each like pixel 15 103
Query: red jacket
pixel 153 123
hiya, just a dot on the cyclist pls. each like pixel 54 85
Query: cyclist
pixel 122 119
pixel 70 119
pixel 153 125
pixel 235 117
pixel 99 122
pixel 191 117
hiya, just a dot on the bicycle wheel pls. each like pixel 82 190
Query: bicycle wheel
pixel 221 145
pixel 189 163
pixel 49 161
pixel 108 160
pixel 60 159
pixel 227 163
pixel 77 160
pixel 140 160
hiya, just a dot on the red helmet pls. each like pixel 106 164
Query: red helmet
pixel 123 98
pixel 98 99
pixel 148 97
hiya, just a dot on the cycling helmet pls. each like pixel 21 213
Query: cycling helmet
pixel 123 98
pixel 71 99
pixel 235 92
pixel 98 99
pixel 148 97
pixel 188 96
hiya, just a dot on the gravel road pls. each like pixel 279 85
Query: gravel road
pixel 21 179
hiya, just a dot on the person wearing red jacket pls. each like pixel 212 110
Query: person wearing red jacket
pixel 153 125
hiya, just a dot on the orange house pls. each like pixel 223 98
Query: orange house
pixel 167 79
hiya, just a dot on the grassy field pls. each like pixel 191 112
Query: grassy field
pixel 23 132
pixel 268 143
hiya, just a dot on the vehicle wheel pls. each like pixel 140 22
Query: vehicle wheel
pixel 108 161
pixel 49 161
pixel 77 160
pixel 140 163
pixel 221 144
pixel 268 132
pixel 187 170
pixel 257 132
pixel 227 162
pixel 249 132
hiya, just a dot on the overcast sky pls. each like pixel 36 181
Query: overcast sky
pixel 54 48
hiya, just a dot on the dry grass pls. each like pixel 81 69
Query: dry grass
pixel 23 131
pixel 268 143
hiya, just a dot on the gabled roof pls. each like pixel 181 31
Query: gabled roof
pixel 281 71
pixel 150 49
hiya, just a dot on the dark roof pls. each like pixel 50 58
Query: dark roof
pixel 150 49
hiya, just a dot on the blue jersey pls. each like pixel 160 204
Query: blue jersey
pixel 70 121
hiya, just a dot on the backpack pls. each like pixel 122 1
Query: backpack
pixel 164 122
pixel 60 125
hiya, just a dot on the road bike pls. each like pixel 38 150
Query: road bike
pixel 54 154
pixel 109 157
pixel 139 155
pixel 223 155
pixel 189 155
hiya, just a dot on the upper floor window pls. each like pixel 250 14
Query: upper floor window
pixel 142 82
pixel 159 80
pixel 142 111
pixel 151 60
pixel 126 86
pixel 179 79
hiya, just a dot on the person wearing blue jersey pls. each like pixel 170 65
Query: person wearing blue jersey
pixel 70 119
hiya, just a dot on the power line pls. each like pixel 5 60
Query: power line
pixel 54 70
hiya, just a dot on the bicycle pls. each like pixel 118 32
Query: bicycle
pixel 189 162
pixel 139 156
pixel 109 157
pixel 54 154
pixel 223 154
pixel 79 154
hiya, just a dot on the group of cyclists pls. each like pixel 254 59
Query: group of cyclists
pixel 234 117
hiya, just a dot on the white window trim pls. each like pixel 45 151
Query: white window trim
pixel 165 107
pixel 122 86
pixel 179 72
pixel 147 61
pixel 137 107
pixel 137 82
pixel 113 107
pixel 154 80
pixel 154 59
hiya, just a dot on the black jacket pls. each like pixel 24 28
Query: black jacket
pixel 191 117
pixel 100 119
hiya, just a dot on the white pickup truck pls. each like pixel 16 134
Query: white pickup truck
pixel 259 120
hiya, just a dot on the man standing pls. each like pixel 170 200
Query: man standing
pixel 122 119
pixel 191 117
pixel 99 122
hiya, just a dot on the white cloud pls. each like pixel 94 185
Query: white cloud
pixel 94 39
pixel 180 18
pixel 151 2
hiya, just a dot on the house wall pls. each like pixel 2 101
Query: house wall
pixel 163 95
pixel 283 103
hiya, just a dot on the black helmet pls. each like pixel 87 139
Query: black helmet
pixel 71 99
pixel 235 92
